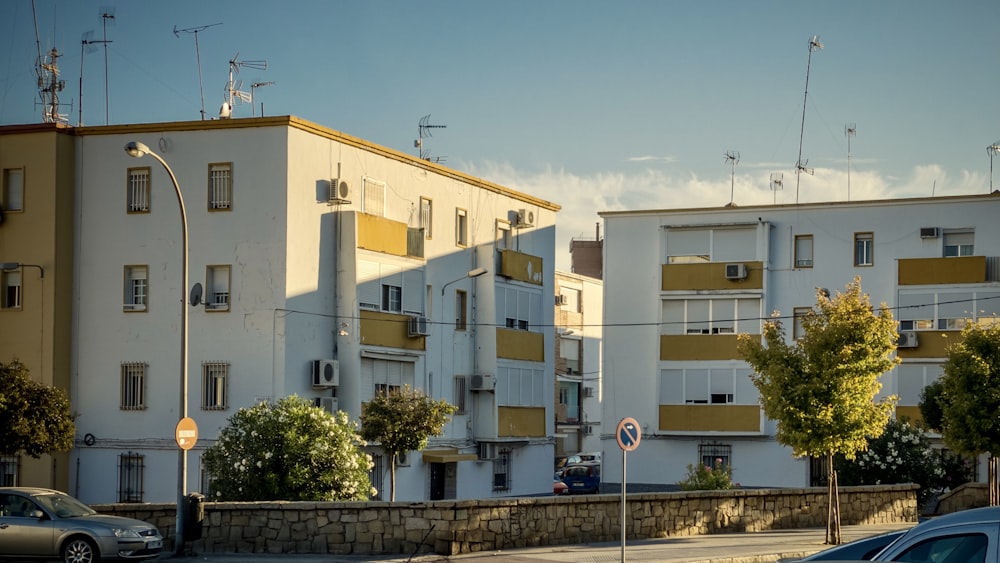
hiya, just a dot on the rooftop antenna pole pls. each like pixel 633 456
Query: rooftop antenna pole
pixel 851 129
pixel 253 87
pixel 197 54
pixel 992 150
pixel 86 46
pixel 732 157
pixel 49 85
pixel 814 45
pixel 233 92
pixel 777 180
pixel 107 14
pixel 424 131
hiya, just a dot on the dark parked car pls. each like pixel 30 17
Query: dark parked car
pixel 864 549
pixel 45 524
pixel 582 477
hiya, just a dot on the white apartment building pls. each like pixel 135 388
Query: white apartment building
pixel 332 269
pixel 681 284
pixel 578 314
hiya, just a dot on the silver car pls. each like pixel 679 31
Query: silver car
pixel 45 524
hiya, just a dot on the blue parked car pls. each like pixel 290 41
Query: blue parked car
pixel 582 477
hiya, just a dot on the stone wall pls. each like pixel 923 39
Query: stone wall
pixel 965 496
pixel 453 527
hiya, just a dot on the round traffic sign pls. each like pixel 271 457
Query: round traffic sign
pixel 186 433
pixel 628 434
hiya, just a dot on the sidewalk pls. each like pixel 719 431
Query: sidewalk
pixel 760 547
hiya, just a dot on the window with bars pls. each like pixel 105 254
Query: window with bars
pixel 214 383
pixel 502 471
pixel 138 190
pixel 12 190
pixel 373 197
pixel 207 481
pixel 375 475
pixel 461 227
pixel 11 298
pixel 133 386
pixel 460 394
pixel 220 186
pixel 714 454
pixel 864 245
pixel 136 288
pixel 9 468
pixel 803 251
pixel 217 287
pixel 131 467
pixel 426 217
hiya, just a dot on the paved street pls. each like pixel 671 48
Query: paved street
pixel 762 547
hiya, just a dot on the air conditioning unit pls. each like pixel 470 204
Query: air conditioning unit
pixel 325 373
pixel 329 404
pixel 907 339
pixel 483 383
pixel 588 430
pixel 340 191
pixel 525 218
pixel 930 232
pixel 561 300
pixel 588 391
pixel 417 326
pixel 485 451
pixel 736 271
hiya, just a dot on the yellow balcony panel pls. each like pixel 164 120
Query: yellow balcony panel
pixel 379 234
pixel 520 422
pixel 930 271
pixel 709 418
pixel 931 344
pixel 910 413
pixel 520 345
pixel 709 275
pixel 521 267
pixel 389 330
pixel 698 347
pixel 449 455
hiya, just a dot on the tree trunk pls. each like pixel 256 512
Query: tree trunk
pixel 392 476
pixel 992 481
pixel 833 502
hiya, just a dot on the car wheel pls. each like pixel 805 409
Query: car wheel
pixel 80 550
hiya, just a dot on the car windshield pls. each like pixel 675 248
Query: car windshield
pixel 578 471
pixel 64 506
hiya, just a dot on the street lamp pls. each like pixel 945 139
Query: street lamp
pixel 138 150
pixel 471 274
pixel 8 266
pixel 992 150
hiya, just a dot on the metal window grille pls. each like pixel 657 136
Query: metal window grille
pixel 138 190
pixel 215 376
pixel 461 227
pixel 9 468
pixel 713 454
pixel 11 290
pixel 373 198
pixel 375 475
pixel 460 394
pixel 136 288
pixel 501 471
pixel 133 392
pixel 131 468
pixel 426 214
pixel 220 182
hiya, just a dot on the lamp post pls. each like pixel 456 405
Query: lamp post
pixel 992 150
pixel 471 274
pixel 8 266
pixel 138 150
pixel 474 273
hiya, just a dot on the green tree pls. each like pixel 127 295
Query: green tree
pixel 403 421
pixel 289 450
pixel 34 418
pixel 821 389
pixel 971 391
pixel 931 405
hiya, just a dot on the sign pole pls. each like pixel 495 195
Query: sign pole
pixel 628 435
pixel 624 456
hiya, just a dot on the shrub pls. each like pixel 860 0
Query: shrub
pixel 705 478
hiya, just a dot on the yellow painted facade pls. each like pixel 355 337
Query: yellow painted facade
pixel 709 418
pixel 521 267
pixel 698 347
pixel 379 234
pixel 520 345
pixel 709 275
pixel 930 271
pixel 930 344
pixel 521 422
pixel 390 330
pixel 910 412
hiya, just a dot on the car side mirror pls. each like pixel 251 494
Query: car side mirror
pixel 37 514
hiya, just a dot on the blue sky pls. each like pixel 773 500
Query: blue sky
pixel 592 105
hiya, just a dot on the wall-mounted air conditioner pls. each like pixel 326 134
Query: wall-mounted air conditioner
pixel 588 430
pixel 329 404
pixel 524 218
pixel 561 300
pixel 485 451
pixel 588 391
pixel 907 339
pixel 736 271
pixel 417 326
pixel 930 232
pixel 325 373
pixel 483 383
pixel 340 191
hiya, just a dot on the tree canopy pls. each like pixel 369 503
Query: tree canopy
pixel 289 450
pixel 34 419
pixel 971 391
pixel 402 421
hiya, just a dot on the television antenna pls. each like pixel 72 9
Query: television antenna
pixel 851 129
pixel 424 131
pixel 233 92
pixel 107 16
pixel 49 85
pixel 87 43
pixel 800 165
pixel 253 87
pixel 777 182
pixel 992 150
pixel 197 53
pixel 733 158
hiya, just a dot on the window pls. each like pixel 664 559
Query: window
pixel 130 472
pixel 912 378
pixel 713 454
pixel 570 299
pixel 501 471
pixel 711 316
pixel 214 381
pixel 461 227
pixel 392 298
pixel 964 548
pixel 959 243
pixel 138 190
pixel 521 387
pixel 803 251
pixel 520 308
pixel 9 468
pixel 220 186
pixel 390 288
pixel 426 217
pixel 569 352
pixel 217 288
pixel 11 289
pixel 460 394
pixel 375 475
pixel 383 376
pixel 133 388
pixel 798 314
pixel 12 190
pixel 461 309
pixel 373 197
pixel 946 310
pixel 864 244
pixel 720 244
pixel 503 240
pixel 136 288
pixel 701 386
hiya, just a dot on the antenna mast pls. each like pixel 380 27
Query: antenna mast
pixel 992 150
pixel 197 53
pixel 851 129
pixel 49 85
pixel 732 157
pixel 107 14
pixel 800 165
pixel 777 181
pixel 233 92
pixel 424 131
pixel 253 87
pixel 86 46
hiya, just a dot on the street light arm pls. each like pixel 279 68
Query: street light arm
pixel 471 274
pixel 15 265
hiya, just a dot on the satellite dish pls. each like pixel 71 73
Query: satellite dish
pixel 226 111
pixel 196 293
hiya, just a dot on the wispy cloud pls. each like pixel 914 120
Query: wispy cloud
pixel 651 158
